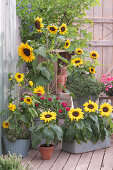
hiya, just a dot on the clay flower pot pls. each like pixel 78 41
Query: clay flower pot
pixel 46 151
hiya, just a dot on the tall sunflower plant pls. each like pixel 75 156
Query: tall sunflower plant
pixel 54 37
pixel 20 111
pixel 92 123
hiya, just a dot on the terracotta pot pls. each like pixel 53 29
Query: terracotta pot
pixel 46 152
pixel 63 71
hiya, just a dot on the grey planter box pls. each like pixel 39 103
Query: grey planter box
pixel 75 148
pixel 19 147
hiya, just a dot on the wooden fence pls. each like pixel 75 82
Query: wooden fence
pixel 102 31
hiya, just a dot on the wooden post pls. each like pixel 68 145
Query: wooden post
pixel 8 47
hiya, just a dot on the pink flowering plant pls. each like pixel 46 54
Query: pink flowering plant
pixel 108 82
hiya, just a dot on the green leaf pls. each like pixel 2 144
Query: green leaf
pixel 36 138
pixel 9 118
pixel 44 72
pixel 20 62
pixel 33 112
pixel 87 131
pixel 42 51
pixel 58 131
pixel 48 135
pixel 24 119
pixel 80 125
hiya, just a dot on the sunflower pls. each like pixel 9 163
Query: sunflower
pixel 94 54
pixel 38 24
pixel 19 77
pixel 75 114
pixel 39 89
pixel 92 70
pixel 105 109
pixel 67 44
pixel 26 52
pixel 63 29
pixel 5 124
pixel 12 106
pixel 48 116
pixel 77 61
pixel 28 100
pixel 90 106
pixel 79 51
pixel 52 29
pixel 31 83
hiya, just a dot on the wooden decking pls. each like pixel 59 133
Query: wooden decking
pixel 96 160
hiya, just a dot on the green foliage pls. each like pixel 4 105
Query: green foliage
pixel 48 132
pixel 62 11
pixel 92 127
pixel 11 162
pixel 82 85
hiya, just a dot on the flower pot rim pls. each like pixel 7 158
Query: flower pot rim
pixel 51 145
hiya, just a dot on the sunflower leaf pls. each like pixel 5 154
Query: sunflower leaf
pixel 42 51
pixel 20 62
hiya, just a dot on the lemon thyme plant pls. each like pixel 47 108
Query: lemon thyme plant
pixel 81 81
pixel 93 123
pixel 20 112
pixel 47 130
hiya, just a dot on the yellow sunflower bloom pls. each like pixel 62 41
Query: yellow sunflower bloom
pixel 92 70
pixel 38 24
pixel 52 29
pixel 28 100
pixel 12 106
pixel 63 29
pixel 105 109
pixel 39 89
pixel 77 61
pixel 31 83
pixel 26 52
pixel 94 55
pixel 90 106
pixel 75 114
pixel 48 116
pixel 67 44
pixel 79 51
pixel 19 77
pixel 5 124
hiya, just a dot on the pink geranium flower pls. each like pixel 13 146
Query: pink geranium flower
pixel 50 99
pixel 64 104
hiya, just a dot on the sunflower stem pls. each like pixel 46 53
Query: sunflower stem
pixel 18 94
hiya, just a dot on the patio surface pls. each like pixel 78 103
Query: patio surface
pixel 96 160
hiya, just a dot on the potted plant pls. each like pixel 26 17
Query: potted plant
pixel 20 113
pixel 81 81
pixel 89 130
pixel 108 88
pixel 48 131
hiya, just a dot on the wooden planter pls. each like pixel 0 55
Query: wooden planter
pixel 76 148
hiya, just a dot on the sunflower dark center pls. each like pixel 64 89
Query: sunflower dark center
pixel 7 124
pixel 19 76
pixel 67 44
pixel 48 116
pixel 26 51
pixel 92 69
pixel 79 51
pixel 94 55
pixel 105 109
pixel 77 61
pixel 75 114
pixel 90 106
pixel 52 28
pixel 28 100
pixel 37 24
pixel 63 29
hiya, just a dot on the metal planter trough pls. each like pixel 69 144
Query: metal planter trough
pixel 76 148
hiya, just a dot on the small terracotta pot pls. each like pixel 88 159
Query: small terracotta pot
pixel 46 152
